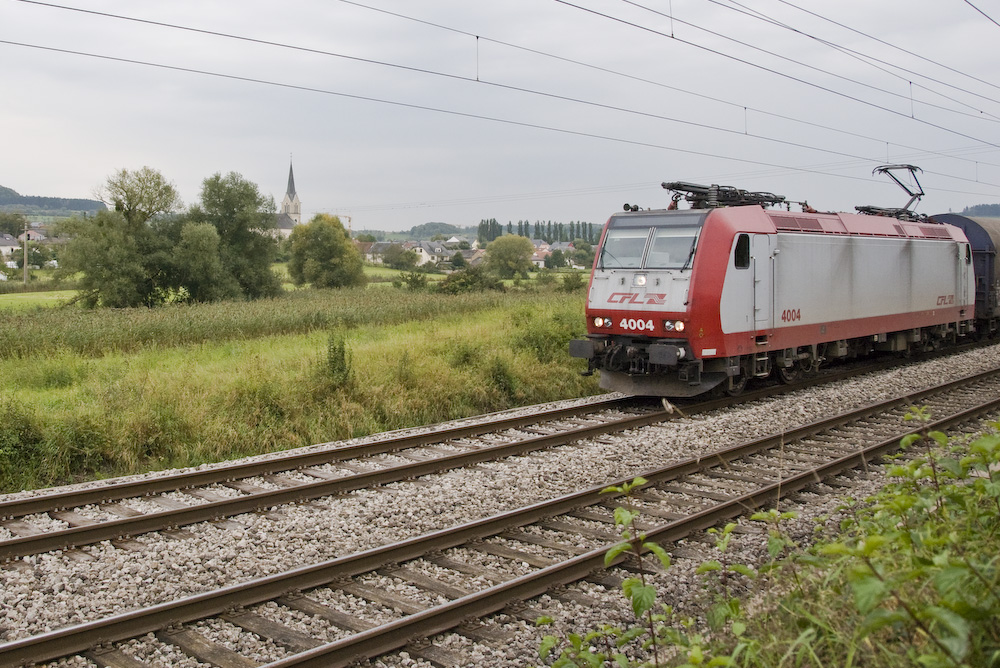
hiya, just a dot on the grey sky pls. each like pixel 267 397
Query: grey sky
pixel 394 147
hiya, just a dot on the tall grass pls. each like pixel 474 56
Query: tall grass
pixel 93 333
pixel 125 404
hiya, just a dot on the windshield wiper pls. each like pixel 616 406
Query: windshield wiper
pixel 694 245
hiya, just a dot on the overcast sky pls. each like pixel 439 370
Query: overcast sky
pixel 401 112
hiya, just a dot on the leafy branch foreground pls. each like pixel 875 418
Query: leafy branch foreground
pixel 912 580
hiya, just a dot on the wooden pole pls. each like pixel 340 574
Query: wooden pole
pixel 25 263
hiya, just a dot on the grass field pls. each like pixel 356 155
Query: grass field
pixel 28 300
pixel 96 393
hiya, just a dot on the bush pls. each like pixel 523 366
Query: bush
pixel 473 279
pixel 573 282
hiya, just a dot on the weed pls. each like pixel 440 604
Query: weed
pixel 338 366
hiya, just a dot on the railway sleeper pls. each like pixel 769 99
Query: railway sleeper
pixel 196 645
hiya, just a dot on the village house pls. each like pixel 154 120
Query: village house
pixel 8 245
pixel 430 252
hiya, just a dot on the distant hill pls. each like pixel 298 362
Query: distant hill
pixel 987 210
pixel 32 205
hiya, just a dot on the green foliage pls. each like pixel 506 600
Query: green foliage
pixel 139 195
pixel 397 257
pixel 471 279
pixel 139 255
pixel 428 230
pixel 509 256
pixel 118 262
pixel 914 580
pixel 12 223
pixel 548 335
pixel 198 266
pixel 414 280
pixel 323 255
pixel 458 260
pixel 339 365
pixel 20 444
pixel 243 216
pixel 118 391
pixel 555 260
pixel 982 210
pixel 573 282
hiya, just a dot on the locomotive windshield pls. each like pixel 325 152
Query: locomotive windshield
pixel 664 241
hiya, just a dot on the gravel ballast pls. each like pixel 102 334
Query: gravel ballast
pixel 45 592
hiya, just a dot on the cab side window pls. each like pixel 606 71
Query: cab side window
pixel 743 251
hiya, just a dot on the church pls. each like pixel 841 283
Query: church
pixel 291 208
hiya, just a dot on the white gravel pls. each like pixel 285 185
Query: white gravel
pixel 57 590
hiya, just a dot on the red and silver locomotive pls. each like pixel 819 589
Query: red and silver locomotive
pixel 683 301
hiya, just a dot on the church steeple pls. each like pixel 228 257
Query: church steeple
pixel 291 204
pixel 291 181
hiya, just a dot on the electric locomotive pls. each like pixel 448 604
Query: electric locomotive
pixel 686 301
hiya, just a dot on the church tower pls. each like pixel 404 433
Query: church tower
pixel 291 206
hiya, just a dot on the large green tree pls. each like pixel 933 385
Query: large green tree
pixel 107 254
pixel 509 256
pixel 397 257
pixel 243 218
pixel 139 195
pixel 323 254
pixel 140 254
pixel 12 223
pixel 198 265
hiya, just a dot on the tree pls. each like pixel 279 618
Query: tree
pixel 324 255
pixel 198 266
pixel 12 223
pixel 139 195
pixel 366 238
pixel 509 256
pixel 555 259
pixel 397 257
pixel 458 260
pixel 243 218
pixel 582 254
pixel 106 252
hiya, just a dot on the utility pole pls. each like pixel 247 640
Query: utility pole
pixel 25 263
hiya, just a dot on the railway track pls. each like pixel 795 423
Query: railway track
pixel 68 519
pixel 453 574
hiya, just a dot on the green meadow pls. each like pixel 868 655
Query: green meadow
pixel 89 394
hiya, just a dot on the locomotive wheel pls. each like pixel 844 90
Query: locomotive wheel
pixel 788 374
pixel 739 383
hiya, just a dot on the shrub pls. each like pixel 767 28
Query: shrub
pixel 473 279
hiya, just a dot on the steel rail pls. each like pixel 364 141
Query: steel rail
pixel 398 633
pixel 214 510
pixel 76 639
pixel 294 459
pixel 286 462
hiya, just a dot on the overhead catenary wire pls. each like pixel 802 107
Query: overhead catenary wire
pixel 783 167
pixel 990 18
pixel 868 59
pixel 914 54
pixel 441 110
pixel 771 70
pixel 479 80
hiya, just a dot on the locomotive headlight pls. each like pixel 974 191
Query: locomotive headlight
pixel 679 326
pixel 602 322
pixel 673 325
pixel 639 280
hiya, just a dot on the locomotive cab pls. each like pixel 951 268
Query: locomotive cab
pixel 638 305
